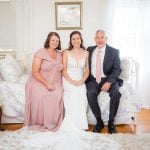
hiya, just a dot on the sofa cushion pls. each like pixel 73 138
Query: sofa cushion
pixel 10 69
pixel 126 66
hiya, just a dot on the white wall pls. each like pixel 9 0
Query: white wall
pixel 7 25
pixel 34 19
pixel 43 21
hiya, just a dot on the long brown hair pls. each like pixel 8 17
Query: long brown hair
pixel 70 44
pixel 46 44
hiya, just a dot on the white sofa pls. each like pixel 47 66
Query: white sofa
pixel 12 91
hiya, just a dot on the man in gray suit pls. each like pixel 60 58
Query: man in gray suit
pixel 109 79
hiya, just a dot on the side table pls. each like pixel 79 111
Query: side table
pixel 1 128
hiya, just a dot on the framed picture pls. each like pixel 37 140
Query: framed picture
pixel 68 15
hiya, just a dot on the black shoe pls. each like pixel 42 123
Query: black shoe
pixel 111 128
pixel 99 126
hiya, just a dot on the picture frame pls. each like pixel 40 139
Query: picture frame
pixel 68 15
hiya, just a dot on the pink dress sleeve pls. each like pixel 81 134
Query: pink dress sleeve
pixel 40 53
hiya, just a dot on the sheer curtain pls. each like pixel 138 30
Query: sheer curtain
pixel 24 31
pixel 129 22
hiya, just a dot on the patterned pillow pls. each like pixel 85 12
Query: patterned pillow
pixel 10 69
pixel 127 67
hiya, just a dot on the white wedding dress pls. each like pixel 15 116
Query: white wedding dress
pixel 70 136
pixel 75 99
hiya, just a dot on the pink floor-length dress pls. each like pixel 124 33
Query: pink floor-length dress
pixel 44 108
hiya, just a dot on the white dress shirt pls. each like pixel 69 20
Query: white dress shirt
pixel 93 61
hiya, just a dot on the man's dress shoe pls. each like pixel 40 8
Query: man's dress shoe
pixel 99 126
pixel 111 128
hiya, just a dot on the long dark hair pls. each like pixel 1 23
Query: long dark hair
pixel 70 44
pixel 46 44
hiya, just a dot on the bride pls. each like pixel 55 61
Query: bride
pixel 71 134
pixel 75 72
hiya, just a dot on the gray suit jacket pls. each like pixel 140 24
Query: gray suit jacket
pixel 111 64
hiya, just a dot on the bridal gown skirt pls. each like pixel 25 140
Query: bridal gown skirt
pixel 75 103
pixel 68 137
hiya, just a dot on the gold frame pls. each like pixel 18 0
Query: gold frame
pixel 73 11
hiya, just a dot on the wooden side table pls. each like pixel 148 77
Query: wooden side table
pixel 1 129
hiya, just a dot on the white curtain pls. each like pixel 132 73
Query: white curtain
pixel 129 23
pixel 24 40
pixel 23 14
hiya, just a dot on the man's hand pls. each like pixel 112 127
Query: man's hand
pixel 106 87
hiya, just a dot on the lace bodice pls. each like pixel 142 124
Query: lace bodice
pixel 75 69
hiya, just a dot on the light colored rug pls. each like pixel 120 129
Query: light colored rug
pixel 126 141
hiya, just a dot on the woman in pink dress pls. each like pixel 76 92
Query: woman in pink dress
pixel 44 104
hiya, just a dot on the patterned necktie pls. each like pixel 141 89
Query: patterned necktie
pixel 98 66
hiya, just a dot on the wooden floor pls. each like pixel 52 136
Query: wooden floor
pixel 142 120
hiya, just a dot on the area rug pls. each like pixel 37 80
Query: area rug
pixel 11 141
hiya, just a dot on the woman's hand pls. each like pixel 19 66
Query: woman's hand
pixel 50 86
pixel 77 83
